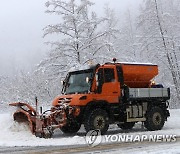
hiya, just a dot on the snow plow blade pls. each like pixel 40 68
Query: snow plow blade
pixel 41 125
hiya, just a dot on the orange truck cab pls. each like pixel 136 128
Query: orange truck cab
pixel 120 93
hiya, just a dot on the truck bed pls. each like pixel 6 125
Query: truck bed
pixel 162 94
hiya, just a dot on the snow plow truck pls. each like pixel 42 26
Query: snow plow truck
pixel 112 93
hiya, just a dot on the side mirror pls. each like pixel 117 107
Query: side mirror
pixel 97 80
pixel 62 82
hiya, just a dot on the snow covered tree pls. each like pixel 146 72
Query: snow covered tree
pixel 81 34
pixel 109 40
pixel 25 87
pixel 159 27
pixel 80 37
pixel 127 43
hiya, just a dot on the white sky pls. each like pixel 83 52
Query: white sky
pixel 21 30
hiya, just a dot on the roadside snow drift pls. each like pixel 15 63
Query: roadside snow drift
pixel 15 134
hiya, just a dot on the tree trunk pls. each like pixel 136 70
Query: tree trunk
pixel 168 55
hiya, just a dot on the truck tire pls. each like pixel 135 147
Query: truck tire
pixel 97 119
pixel 154 119
pixel 71 128
pixel 42 135
pixel 126 125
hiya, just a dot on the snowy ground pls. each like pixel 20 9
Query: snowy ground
pixel 12 134
pixel 163 148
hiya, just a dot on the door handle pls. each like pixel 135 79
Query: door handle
pixel 115 92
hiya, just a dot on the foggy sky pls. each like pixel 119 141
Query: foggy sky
pixel 21 31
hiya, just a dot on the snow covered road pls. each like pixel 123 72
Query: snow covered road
pixel 123 148
pixel 12 134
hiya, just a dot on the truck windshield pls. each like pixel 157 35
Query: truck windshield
pixel 78 82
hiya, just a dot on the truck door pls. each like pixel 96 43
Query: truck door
pixel 108 85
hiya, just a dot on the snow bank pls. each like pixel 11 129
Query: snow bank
pixel 15 134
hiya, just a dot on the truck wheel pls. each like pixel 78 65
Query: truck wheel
pixel 97 119
pixel 42 135
pixel 126 125
pixel 154 119
pixel 71 128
